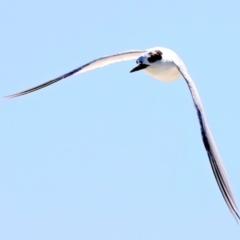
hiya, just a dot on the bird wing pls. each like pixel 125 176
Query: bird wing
pixel 97 63
pixel 209 144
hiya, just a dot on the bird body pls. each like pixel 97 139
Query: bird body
pixel 165 65
pixel 167 70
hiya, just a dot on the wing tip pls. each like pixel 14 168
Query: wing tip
pixel 7 97
pixel 11 96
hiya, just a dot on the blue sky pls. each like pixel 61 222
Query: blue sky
pixel 108 154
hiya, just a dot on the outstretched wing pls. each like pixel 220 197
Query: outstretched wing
pixel 97 63
pixel 210 146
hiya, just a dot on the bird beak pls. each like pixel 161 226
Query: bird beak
pixel 139 67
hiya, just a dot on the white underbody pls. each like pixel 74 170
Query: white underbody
pixel 164 71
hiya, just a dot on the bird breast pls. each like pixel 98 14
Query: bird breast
pixel 163 71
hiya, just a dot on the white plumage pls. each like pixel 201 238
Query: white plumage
pixel 165 65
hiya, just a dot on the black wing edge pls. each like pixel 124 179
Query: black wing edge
pixel 219 173
pixel 29 90
pixel 43 85
pixel 225 189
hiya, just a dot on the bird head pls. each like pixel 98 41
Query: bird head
pixel 149 58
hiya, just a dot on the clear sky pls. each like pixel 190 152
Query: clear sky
pixel 108 154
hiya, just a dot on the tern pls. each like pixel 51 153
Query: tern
pixel 165 65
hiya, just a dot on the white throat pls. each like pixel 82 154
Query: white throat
pixel 164 71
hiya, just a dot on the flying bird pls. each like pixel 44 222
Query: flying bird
pixel 165 65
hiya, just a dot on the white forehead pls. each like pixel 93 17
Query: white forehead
pixel 142 58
